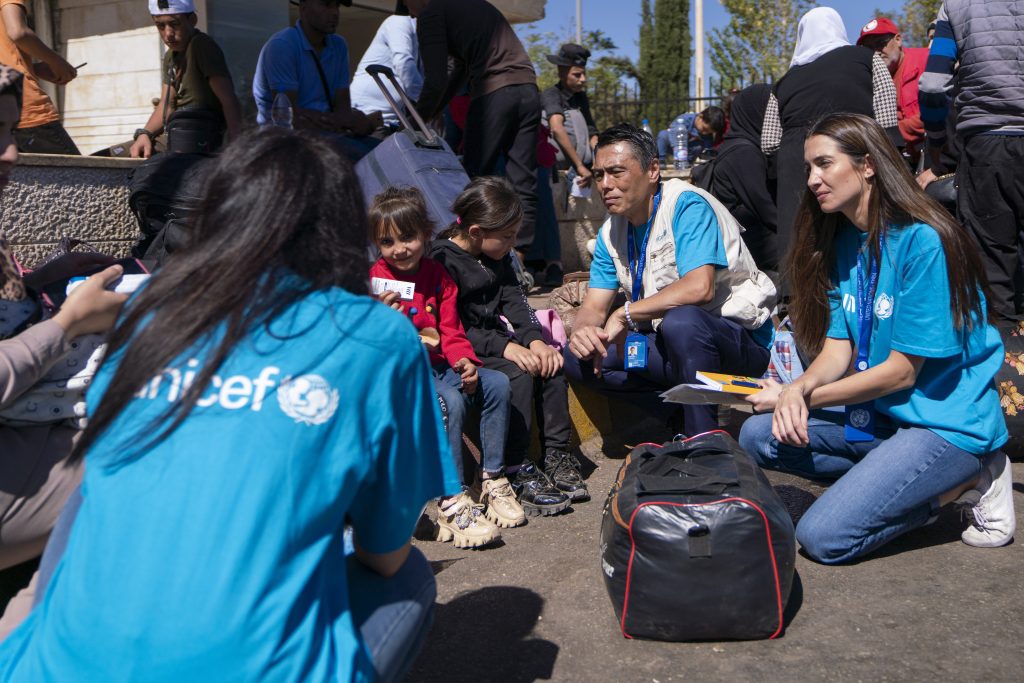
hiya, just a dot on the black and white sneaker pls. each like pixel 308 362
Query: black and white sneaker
pixel 537 494
pixel 564 470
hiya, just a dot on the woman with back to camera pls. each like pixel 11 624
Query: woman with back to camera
pixel 826 75
pixel 254 402
pixel 885 282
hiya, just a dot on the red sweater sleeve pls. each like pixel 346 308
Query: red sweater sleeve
pixel 454 344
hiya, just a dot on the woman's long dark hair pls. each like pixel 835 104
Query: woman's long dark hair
pixel 277 204
pixel 895 200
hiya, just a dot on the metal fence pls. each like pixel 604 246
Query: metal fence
pixel 626 103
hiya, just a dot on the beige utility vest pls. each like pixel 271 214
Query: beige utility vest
pixel 743 293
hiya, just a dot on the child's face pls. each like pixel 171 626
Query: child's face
pixel 402 253
pixel 495 244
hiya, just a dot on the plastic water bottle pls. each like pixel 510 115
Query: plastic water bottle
pixel 281 111
pixel 646 126
pixel 681 149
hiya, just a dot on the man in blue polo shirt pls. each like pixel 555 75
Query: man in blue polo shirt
pixel 309 63
pixel 695 299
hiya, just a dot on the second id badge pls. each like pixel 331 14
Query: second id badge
pixel 636 351
pixel 860 422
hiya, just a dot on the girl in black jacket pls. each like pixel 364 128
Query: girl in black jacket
pixel 475 250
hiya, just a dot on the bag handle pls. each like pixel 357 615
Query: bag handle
pixel 422 133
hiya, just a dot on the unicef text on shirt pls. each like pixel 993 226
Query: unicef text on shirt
pixel 307 399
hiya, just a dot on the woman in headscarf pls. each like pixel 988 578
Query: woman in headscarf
pixel 827 75
pixel 740 176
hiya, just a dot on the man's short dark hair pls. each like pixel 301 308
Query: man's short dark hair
pixel 715 117
pixel 639 140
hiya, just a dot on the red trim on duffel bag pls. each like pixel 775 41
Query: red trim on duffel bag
pixel 768 535
pixel 713 431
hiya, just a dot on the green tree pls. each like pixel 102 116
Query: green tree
pixel 914 19
pixel 757 43
pixel 664 65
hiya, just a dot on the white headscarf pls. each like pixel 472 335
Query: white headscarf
pixel 821 30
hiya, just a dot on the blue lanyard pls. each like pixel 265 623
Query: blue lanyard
pixel 636 272
pixel 866 303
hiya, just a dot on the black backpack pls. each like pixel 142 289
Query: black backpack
pixel 165 193
pixel 702 173
pixel 696 544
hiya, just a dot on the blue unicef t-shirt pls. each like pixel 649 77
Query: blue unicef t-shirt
pixel 954 395
pixel 218 554
pixel 698 240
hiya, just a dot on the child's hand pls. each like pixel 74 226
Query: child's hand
pixel 551 360
pixel 470 377
pixel 523 357
pixel 391 299
pixel 765 400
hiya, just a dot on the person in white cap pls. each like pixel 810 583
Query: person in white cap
pixel 195 75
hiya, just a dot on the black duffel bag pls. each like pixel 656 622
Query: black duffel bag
pixel 696 544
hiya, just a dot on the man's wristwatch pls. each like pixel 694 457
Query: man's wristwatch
pixel 142 131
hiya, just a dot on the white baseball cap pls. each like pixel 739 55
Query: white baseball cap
pixel 158 7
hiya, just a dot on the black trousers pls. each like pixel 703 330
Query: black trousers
pixel 503 124
pixel 689 340
pixel 49 138
pixel 990 203
pixel 549 398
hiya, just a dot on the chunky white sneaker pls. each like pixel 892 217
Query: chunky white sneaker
pixel 502 507
pixel 991 505
pixel 463 523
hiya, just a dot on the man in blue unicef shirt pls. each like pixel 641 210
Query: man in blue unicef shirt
pixel 695 299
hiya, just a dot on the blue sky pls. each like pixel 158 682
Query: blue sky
pixel 620 19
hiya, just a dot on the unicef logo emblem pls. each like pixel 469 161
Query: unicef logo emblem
pixel 883 306
pixel 308 399
pixel 860 418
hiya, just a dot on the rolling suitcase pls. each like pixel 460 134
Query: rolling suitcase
pixel 413 157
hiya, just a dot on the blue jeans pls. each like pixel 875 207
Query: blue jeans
pixel 689 340
pixel 547 243
pixel 884 488
pixel 492 398
pixel 393 614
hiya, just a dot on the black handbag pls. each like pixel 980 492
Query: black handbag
pixel 194 131
pixel 944 190
pixel 696 544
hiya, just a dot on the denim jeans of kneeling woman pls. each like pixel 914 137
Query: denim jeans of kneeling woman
pixel 882 489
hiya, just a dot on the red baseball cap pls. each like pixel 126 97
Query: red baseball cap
pixel 878 27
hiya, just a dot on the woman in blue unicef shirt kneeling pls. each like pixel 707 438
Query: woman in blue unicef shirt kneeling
pixel 255 403
pixel 887 291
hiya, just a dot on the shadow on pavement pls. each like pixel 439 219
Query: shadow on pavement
pixel 485 635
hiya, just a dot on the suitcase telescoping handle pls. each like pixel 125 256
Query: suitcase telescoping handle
pixel 424 135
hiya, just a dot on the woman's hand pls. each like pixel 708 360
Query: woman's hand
pixel 789 421
pixel 470 377
pixel 91 307
pixel 523 357
pixel 550 359
pixel 765 400
pixel 391 300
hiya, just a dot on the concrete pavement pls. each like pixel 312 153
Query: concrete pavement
pixel 925 607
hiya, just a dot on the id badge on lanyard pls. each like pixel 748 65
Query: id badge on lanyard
pixel 860 418
pixel 636 343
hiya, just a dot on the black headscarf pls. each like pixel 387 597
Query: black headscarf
pixel 747 115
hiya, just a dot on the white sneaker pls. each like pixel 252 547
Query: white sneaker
pixel 463 523
pixel 502 507
pixel 991 504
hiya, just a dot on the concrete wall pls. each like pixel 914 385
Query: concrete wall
pixel 52 196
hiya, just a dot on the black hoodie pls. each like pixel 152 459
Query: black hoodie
pixel 488 289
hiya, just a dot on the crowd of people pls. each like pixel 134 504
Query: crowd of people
pixel 284 409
